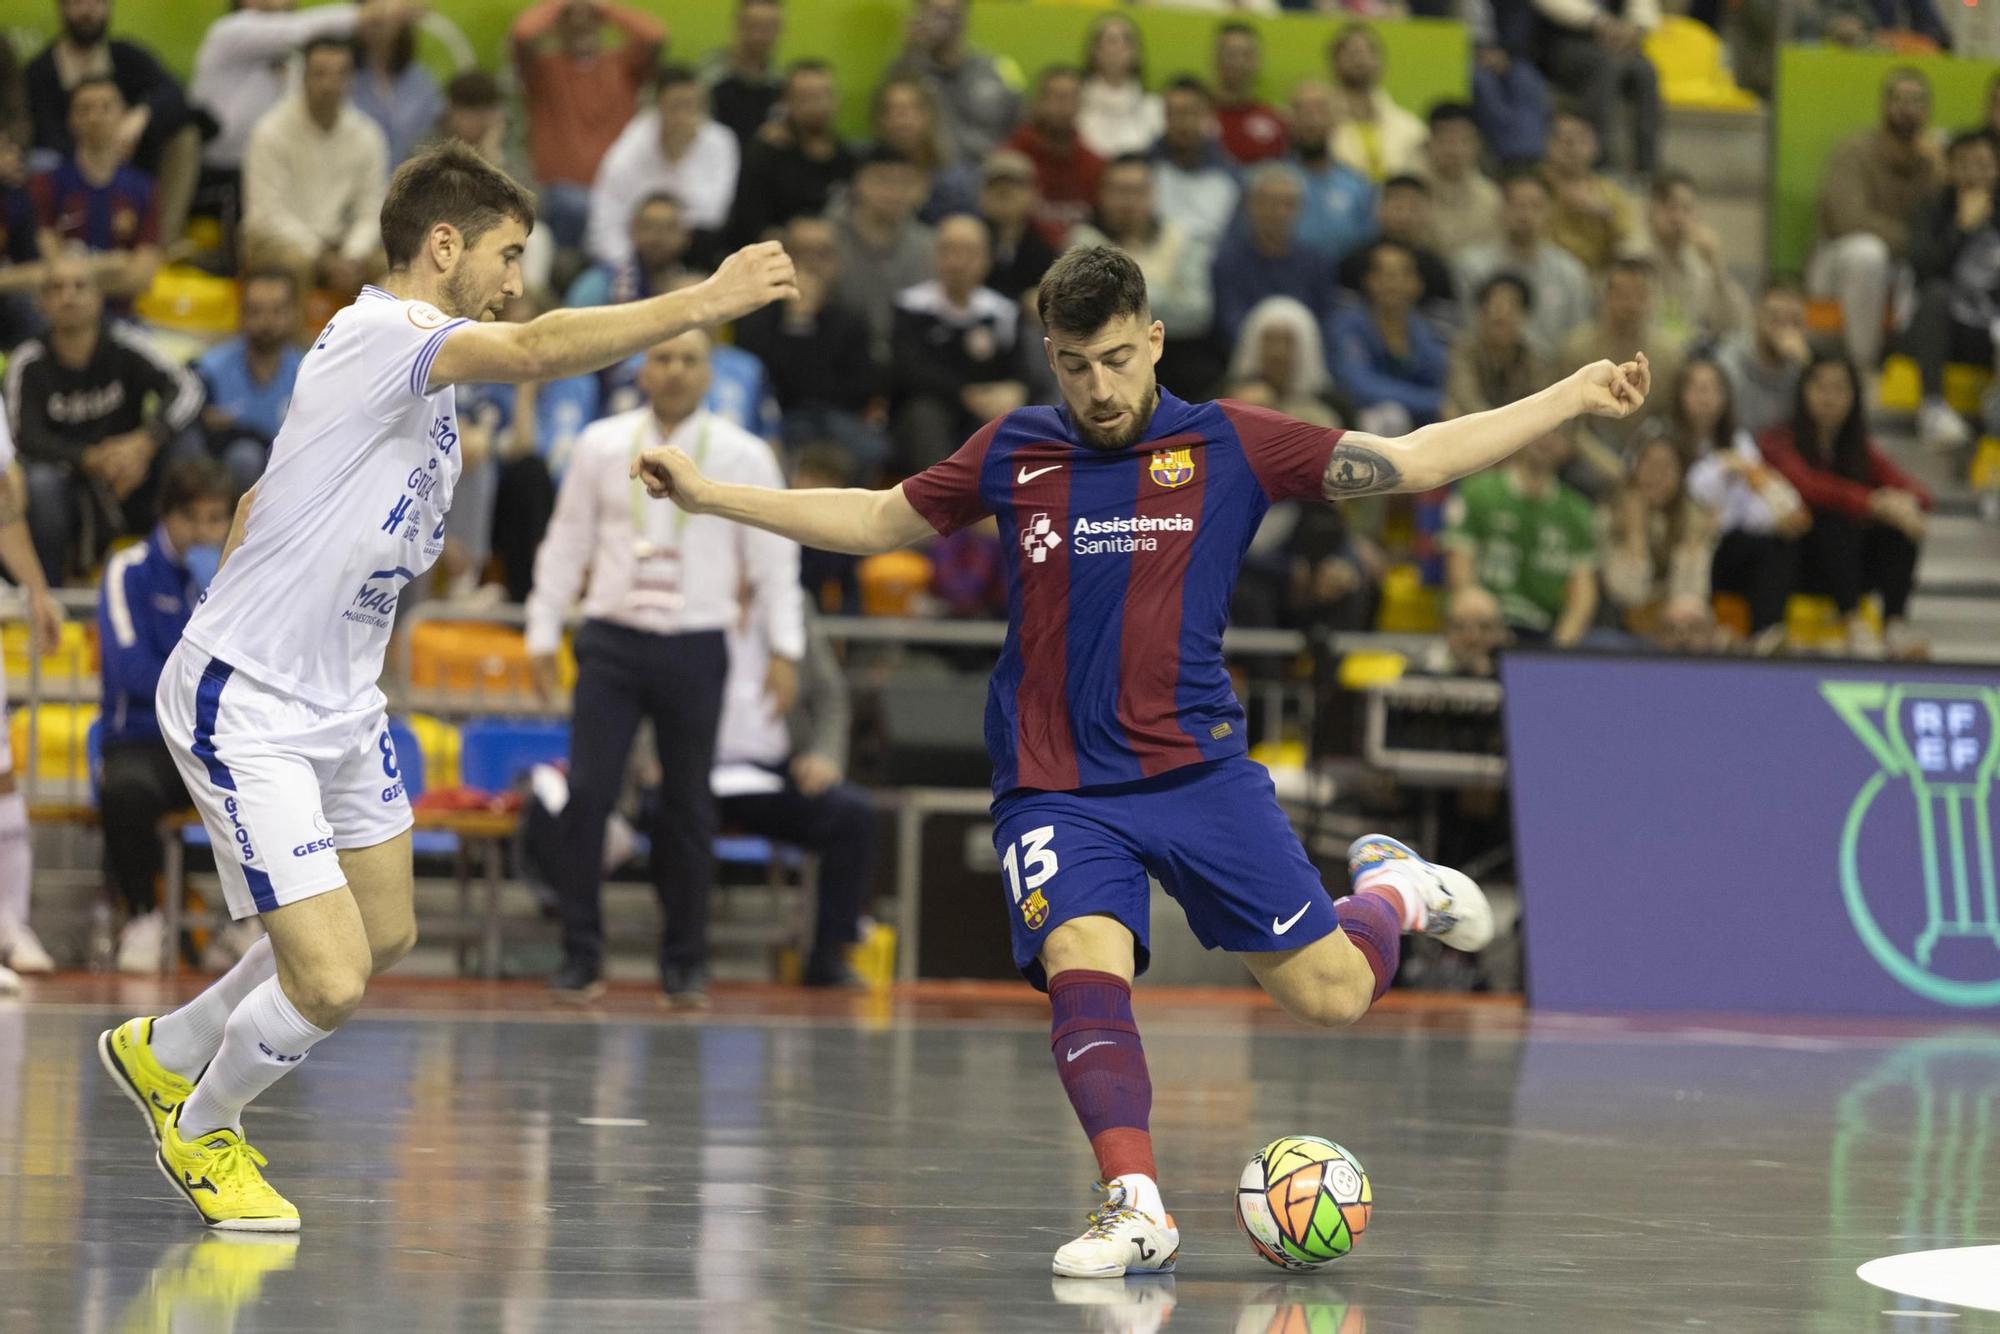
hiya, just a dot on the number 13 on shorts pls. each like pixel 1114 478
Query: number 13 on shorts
pixel 1029 864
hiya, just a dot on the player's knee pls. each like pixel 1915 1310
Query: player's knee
pixel 328 994
pixel 393 945
pixel 1336 1004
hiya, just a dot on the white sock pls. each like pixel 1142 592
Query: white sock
pixel 1401 883
pixel 265 1039
pixel 188 1039
pixel 1143 1194
pixel 17 864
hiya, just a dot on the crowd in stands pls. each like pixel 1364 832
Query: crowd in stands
pixel 1334 253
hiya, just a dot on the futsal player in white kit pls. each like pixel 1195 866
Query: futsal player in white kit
pixel 270 702
pixel 17 558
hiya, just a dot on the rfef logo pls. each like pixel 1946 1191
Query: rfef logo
pixel 1939 741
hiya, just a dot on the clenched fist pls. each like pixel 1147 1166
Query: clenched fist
pixel 669 474
pixel 1613 389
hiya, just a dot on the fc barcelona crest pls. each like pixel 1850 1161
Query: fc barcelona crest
pixel 1173 467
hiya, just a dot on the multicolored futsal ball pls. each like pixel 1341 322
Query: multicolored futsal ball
pixel 1303 1201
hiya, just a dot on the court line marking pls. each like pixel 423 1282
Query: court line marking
pixel 614 1121
pixel 1966 1276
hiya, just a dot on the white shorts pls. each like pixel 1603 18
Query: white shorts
pixel 280 783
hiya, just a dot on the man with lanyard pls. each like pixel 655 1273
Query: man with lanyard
pixel 664 588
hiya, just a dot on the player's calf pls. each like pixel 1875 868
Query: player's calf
pixel 1332 982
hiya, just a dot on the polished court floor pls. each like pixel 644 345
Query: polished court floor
pixel 469 1159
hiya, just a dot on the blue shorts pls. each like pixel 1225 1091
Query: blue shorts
pixel 1213 834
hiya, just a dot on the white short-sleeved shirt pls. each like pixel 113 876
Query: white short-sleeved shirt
pixel 6 751
pixel 350 509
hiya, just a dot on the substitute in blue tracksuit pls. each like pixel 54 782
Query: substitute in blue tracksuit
pixel 149 592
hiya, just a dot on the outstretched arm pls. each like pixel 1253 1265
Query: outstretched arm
pixel 851 520
pixel 563 343
pixel 17 558
pixel 1442 452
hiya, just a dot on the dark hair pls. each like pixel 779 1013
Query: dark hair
pixel 450 183
pixel 1638 264
pixel 1571 111
pixel 1515 175
pixel 1849 456
pixel 94 81
pixel 1096 31
pixel 1725 425
pixel 1405 181
pixel 1187 83
pixel 807 65
pixel 1238 26
pixel 1507 279
pixel 1057 71
pixel 1351 31
pixel 402 53
pixel 1970 138
pixel 1089 287
pixel 1906 74
pixel 186 482
pixel 1782 286
pixel 325 43
pixel 673 76
pixel 273 274
pixel 1668 181
pixel 1130 160
pixel 880 155
pixel 474 90
pixel 1374 249
pixel 1443 113
pixel 652 197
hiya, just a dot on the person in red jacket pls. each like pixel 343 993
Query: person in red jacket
pixel 1868 515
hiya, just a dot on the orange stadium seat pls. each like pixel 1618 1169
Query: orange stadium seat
pixel 892 583
pixel 469 656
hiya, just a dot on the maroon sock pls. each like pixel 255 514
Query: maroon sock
pixel 1103 1068
pixel 1370 921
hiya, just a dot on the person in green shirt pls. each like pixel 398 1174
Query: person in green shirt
pixel 1529 540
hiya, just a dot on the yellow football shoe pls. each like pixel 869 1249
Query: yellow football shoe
pixel 127 1054
pixel 217 1172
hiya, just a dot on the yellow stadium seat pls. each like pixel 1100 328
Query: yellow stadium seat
pixel 892 582
pixel 470 656
pixel 1408 608
pixel 185 298
pixel 1287 754
pixel 440 742
pixel 1985 475
pixel 75 653
pixel 1902 387
pixel 1814 622
pixel 1688 56
pixel 61 751
pixel 1369 668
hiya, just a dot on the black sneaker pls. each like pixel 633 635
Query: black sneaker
pixel 831 972
pixel 577 982
pixel 685 986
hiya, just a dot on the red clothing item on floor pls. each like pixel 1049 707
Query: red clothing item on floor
pixel 1251 132
pixel 577 107
pixel 1824 489
pixel 1066 176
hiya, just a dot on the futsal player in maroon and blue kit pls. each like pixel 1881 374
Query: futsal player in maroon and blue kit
pixel 1118 747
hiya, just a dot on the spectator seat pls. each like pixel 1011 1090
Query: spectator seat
pixel 1693 75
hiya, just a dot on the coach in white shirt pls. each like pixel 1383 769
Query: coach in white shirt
pixel 313 180
pixel 675 149
pixel 664 588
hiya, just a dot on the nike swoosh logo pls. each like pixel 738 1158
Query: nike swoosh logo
pixel 1101 1042
pixel 1023 477
pixel 1279 928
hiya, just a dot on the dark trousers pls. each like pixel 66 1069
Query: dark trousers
pixel 1597 79
pixel 676 681
pixel 522 503
pixel 1762 569
pixel 1935 338
pixel 838 826
pixel 140 787
pixel 1843 558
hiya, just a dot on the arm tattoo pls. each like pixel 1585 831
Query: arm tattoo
pixel 1356 470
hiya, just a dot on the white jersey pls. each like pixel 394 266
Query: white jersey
pixel 6 748
pixel 349 511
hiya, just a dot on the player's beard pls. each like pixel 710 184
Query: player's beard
pixel 462 298
pixel 1125 436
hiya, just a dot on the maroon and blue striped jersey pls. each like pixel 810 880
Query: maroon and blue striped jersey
pixel 1120 568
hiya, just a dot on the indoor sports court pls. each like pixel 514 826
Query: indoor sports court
pixel 472 1162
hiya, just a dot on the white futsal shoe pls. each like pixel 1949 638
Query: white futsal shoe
pixel 1142 1304
pixel 1455 909
pixel 1121 1239
pixel 10 981
pixel 25 951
